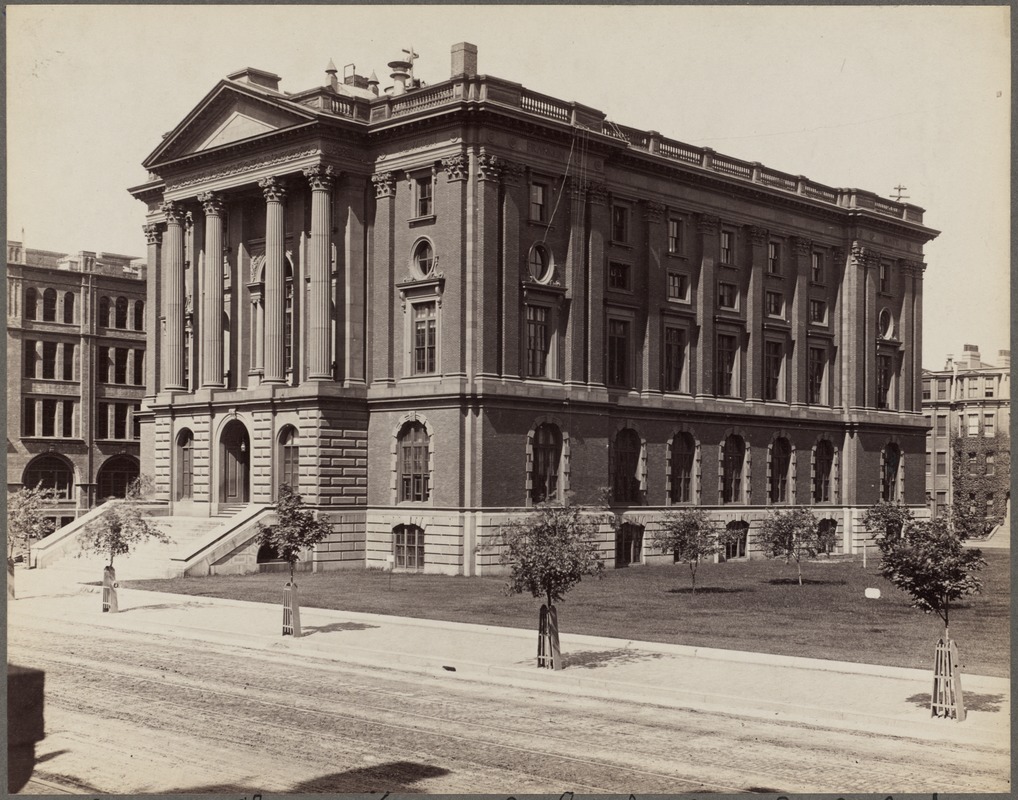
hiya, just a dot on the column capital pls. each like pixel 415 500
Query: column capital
pixel 757 235
pixel 322 177
pixel 456 167
pixel 153 233
pixel 863 256
pixel 273 188
pixel 212 203
pixel 653 212
pixel 512 173
pixel 489 167
pixel 174 212
pixel 385 184
pixel 708 224
pixel 913 269
pixel 597 193
pixel 801 246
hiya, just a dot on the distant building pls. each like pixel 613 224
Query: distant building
pixel 75 373
pixel 431 308
pixel 968 447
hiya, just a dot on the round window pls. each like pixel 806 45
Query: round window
pixel 424 259
pixel 884 326
pixel 540 264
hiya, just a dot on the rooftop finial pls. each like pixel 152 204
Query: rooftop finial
pixel 331 69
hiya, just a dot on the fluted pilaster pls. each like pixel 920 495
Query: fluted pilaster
pixel 211 326
pixel 173 294
pixel 321 179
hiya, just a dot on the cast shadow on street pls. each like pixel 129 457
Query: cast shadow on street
pixel 167 606
pixel 973 702
pixel 397 777
pixel 332 627
pixel 593 659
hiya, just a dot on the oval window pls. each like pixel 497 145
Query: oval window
pixel 540 264
pixel 424 259
pixel 884 324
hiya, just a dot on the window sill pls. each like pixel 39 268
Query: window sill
pixel 427 219
pixel 623 245
pixel 539 223
pixel 678 255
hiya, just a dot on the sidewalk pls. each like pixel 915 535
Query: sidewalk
pixel 877 699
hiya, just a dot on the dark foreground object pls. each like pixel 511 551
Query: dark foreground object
pixel 24 723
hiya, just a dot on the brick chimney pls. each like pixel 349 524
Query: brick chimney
pixel 464 60
pixel 256 77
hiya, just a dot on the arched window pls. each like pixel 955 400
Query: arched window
pixel 49 305
pixel 185 465
pixel 626 469
pixel 116 475
pixel 733 463
pixel 408 547
pixel 737 540
pixel 289 458
pixel 628 544
pixel 540 263
pixel 31 303
pixel 50 472
pixel 781 462
pixel 827 532
pixel 823 466
pixel 890 475
pixel 121 320
pixel 544 475
pixel 683 456
pixel 139 315
pixel 424 259
pixel 414 466
pixel 69 307
pixel 104 312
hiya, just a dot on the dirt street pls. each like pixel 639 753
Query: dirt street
pixel 131 714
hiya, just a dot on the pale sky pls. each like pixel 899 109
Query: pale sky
pixel 859 97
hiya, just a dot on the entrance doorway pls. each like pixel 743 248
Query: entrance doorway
pixel 234 459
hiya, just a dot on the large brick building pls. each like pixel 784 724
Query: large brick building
pixel 434 306
pixel 75 356
pixel 968 446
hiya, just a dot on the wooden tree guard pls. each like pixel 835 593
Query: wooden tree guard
pixel 947 698
pixel 110 587
pixel 291 611
pixel 549 653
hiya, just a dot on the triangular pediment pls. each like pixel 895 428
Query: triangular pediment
pixel 230 113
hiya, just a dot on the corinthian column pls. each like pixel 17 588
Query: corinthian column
pixel 211 326
pixel 154 237
pixel 173 294
pixel 275 279
pixel 321 179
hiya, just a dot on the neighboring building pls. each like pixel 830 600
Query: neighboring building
pixel 968 447
pixel 75 355
pixel 434 307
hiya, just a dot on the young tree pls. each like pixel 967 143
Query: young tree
pixel 296 528
pixel 887 521
pixel 692 535
pixel 930 562
pixel 123 526
pixel 549 551
pixel 25 524
pixel 794 534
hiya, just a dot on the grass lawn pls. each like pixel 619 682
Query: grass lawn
pixel 756 606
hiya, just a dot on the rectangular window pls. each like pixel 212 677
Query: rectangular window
pixel 68 419
pixel 136 423
pixel 817 369
pixel 49 417
pixel 408 547
pixel 885 277
pixel 425 197
pixel 49 360
pixel 620 224
pixel 775 304
pixel 537 341
pixel 973 425
pixel 30 359
pixel 28 418
pixel 989 425
pixel 942 389
pixel 726 357
pixel 941 424
pixel 774 258
pixel 102 365
pixel 726 247
pixel 991 464
pixel 989 505
pixel 675 236
pixel 927 390
pixel 102 421
pixel 971 461
pixel 539 202
pixel 816 273
pixel 120 420
pixel 929 462
pixel 989 388
pixel 619 276
pixel 774 358
pixel 973 387
pixel 675 356
pixel 618 352
pixel 883 381
pixel 941 500
pixel 68 361
pixel 678 287
pixel 120 365
pixel 941 462
pixel 818 312
pixel 139 367
pixel 728 295
pixel 425 336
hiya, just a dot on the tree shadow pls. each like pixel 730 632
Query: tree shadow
pixel 392 777
pixel 594 659
pixel 708 590
pixel 973 702
pixel 805 582
pixel 332 627
pixel 166 606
